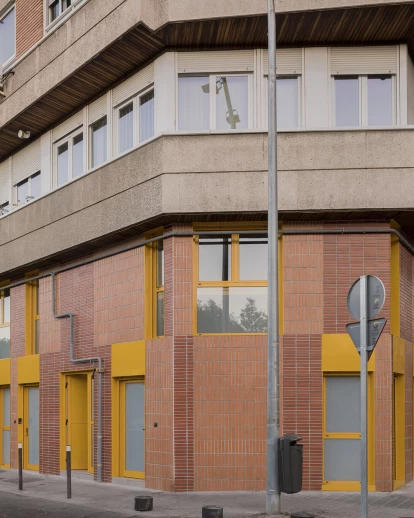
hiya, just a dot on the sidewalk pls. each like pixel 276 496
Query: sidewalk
pixel 120 499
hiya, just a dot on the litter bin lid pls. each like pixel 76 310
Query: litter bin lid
pixel 292 437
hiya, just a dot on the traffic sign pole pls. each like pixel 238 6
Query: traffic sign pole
pixel 364 394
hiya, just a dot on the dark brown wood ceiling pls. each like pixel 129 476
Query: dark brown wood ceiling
pixel 373 25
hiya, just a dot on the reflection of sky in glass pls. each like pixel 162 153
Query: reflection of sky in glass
pixel 237 99
pixel 287 102
pixel 36 187
pixel 77 155
pixel 193 103
pixel 380 101
pixel 125 128
pixel 346 101
pixel 253 259
pixel 6 313
pixel 4 342
pixel 7 36
pixel 211 259
pixel 146 116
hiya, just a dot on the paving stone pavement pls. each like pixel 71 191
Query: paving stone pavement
pixel 118 500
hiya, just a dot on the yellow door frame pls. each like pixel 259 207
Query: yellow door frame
pixel 26 465
pixel 64 410
pixel 398 422
pixel 2 426
pixel 120 391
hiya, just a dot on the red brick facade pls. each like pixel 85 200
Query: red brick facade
pixel 29 24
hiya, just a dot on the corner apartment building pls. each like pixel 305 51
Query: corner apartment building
pixel 133 198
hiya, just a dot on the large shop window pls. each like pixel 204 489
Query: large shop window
pixel 135 121
pixel 4 324
pixel 7 37
pixel 232 284
pixel 364 100
pixel 69 158
pixel 213 102
pixel 29 189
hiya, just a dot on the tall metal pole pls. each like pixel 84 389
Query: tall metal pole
pixel 273 418
pixel 364 391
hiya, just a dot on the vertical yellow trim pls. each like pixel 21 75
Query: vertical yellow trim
pixel 395 287
pixel 115 428
pixel 150 274
pixel 399 430
pixel 63 429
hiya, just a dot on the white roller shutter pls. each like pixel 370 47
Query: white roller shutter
pixel 216 61
pixel 4 182
pixel 26 162
pixel 133 85
pixel 97 109
pixel 288 62
pixel 364 60
pixel 68 126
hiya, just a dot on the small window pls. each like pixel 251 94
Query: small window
pixel 98 142
pixel 347 101
pixel 69 158
pixel 29 189
pixel 159 288
pixel 7 36
pixel 57 7
pixel 4 324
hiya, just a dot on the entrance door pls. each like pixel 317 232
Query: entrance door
pixel 78 432
pixel 5 427
pixel 31 427
pixel 132 429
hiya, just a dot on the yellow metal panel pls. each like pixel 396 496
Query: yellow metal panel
pixel 345 486
pixel 399 430
pixel 5 372
pixel 128 359
pixel 78 420
pixel 395 287
pixel 28 369
pixel 398 355
pixel 340 355
pixel 26 424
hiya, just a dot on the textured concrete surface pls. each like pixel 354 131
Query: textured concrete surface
pixel 46 495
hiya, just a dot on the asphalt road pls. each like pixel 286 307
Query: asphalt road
pixel 19 506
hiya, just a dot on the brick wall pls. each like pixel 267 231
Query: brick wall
pixel 29 24
pixel 406 294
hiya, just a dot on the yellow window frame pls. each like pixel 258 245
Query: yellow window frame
pixel 3 323
pixel 350 485
pixel 32 317
pixel 151 288
pixel 3 427
pixel 235 266
pixel 26 465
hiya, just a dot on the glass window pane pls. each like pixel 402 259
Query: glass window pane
pixel 6 306
pixel 54 10
pixel 99 137
pixel 287 102
pixel 343 404
pixel 6 447
pixel 62 163
pixel 193 103
pixel 8 36
pixel 6 407
pixel 342 459
pixel 146 116
pixel 126 128
pixel 35 186
pixel 160 264
pixel 232 310
pixel 77 155
pixel 232 102
pixel 215 259
pixel 134 427
pixel 4 342
pixel 346 101
pixel 22 191
pixel 33 425
pixel 253 258
pixel 380 102
pixel 160 313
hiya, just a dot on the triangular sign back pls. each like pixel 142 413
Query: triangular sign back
pixel 375 328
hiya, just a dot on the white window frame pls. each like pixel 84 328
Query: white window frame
pixel 300 99
pixel 108 143
pixel 211 79
pixel 12 58
pixel 56 145
pixel 363 98
pixel 135 100
pixel 29 188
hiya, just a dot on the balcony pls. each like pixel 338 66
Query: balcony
pixel 185 176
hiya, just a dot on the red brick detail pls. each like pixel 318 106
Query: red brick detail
pixel 406 294
pixel 183 413
pixel 302 385
pixel 119 298
pixel 159 404
pixel 230 405
pixel 49 326
pixel 345 258
pixel 29 24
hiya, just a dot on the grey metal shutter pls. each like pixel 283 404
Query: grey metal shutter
pixel 364 60
pixel 133 85
pixel 215 61
pixel 288 61
pixel 68 126
pixel 97 109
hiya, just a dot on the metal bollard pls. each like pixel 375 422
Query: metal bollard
pixel 212 511
pixel 20 458
pixel 68 473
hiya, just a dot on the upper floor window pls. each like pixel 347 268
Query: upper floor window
pixel 57 7
pixel 29 189
pixel 364 100
pixel 4 324
pixel 287 102
pixel 232 284
pixel 98 135
pixel 213 102
pixel 69 158
pixel 7 36
pixel 135 121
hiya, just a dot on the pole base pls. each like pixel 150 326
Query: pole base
pixel 143 503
